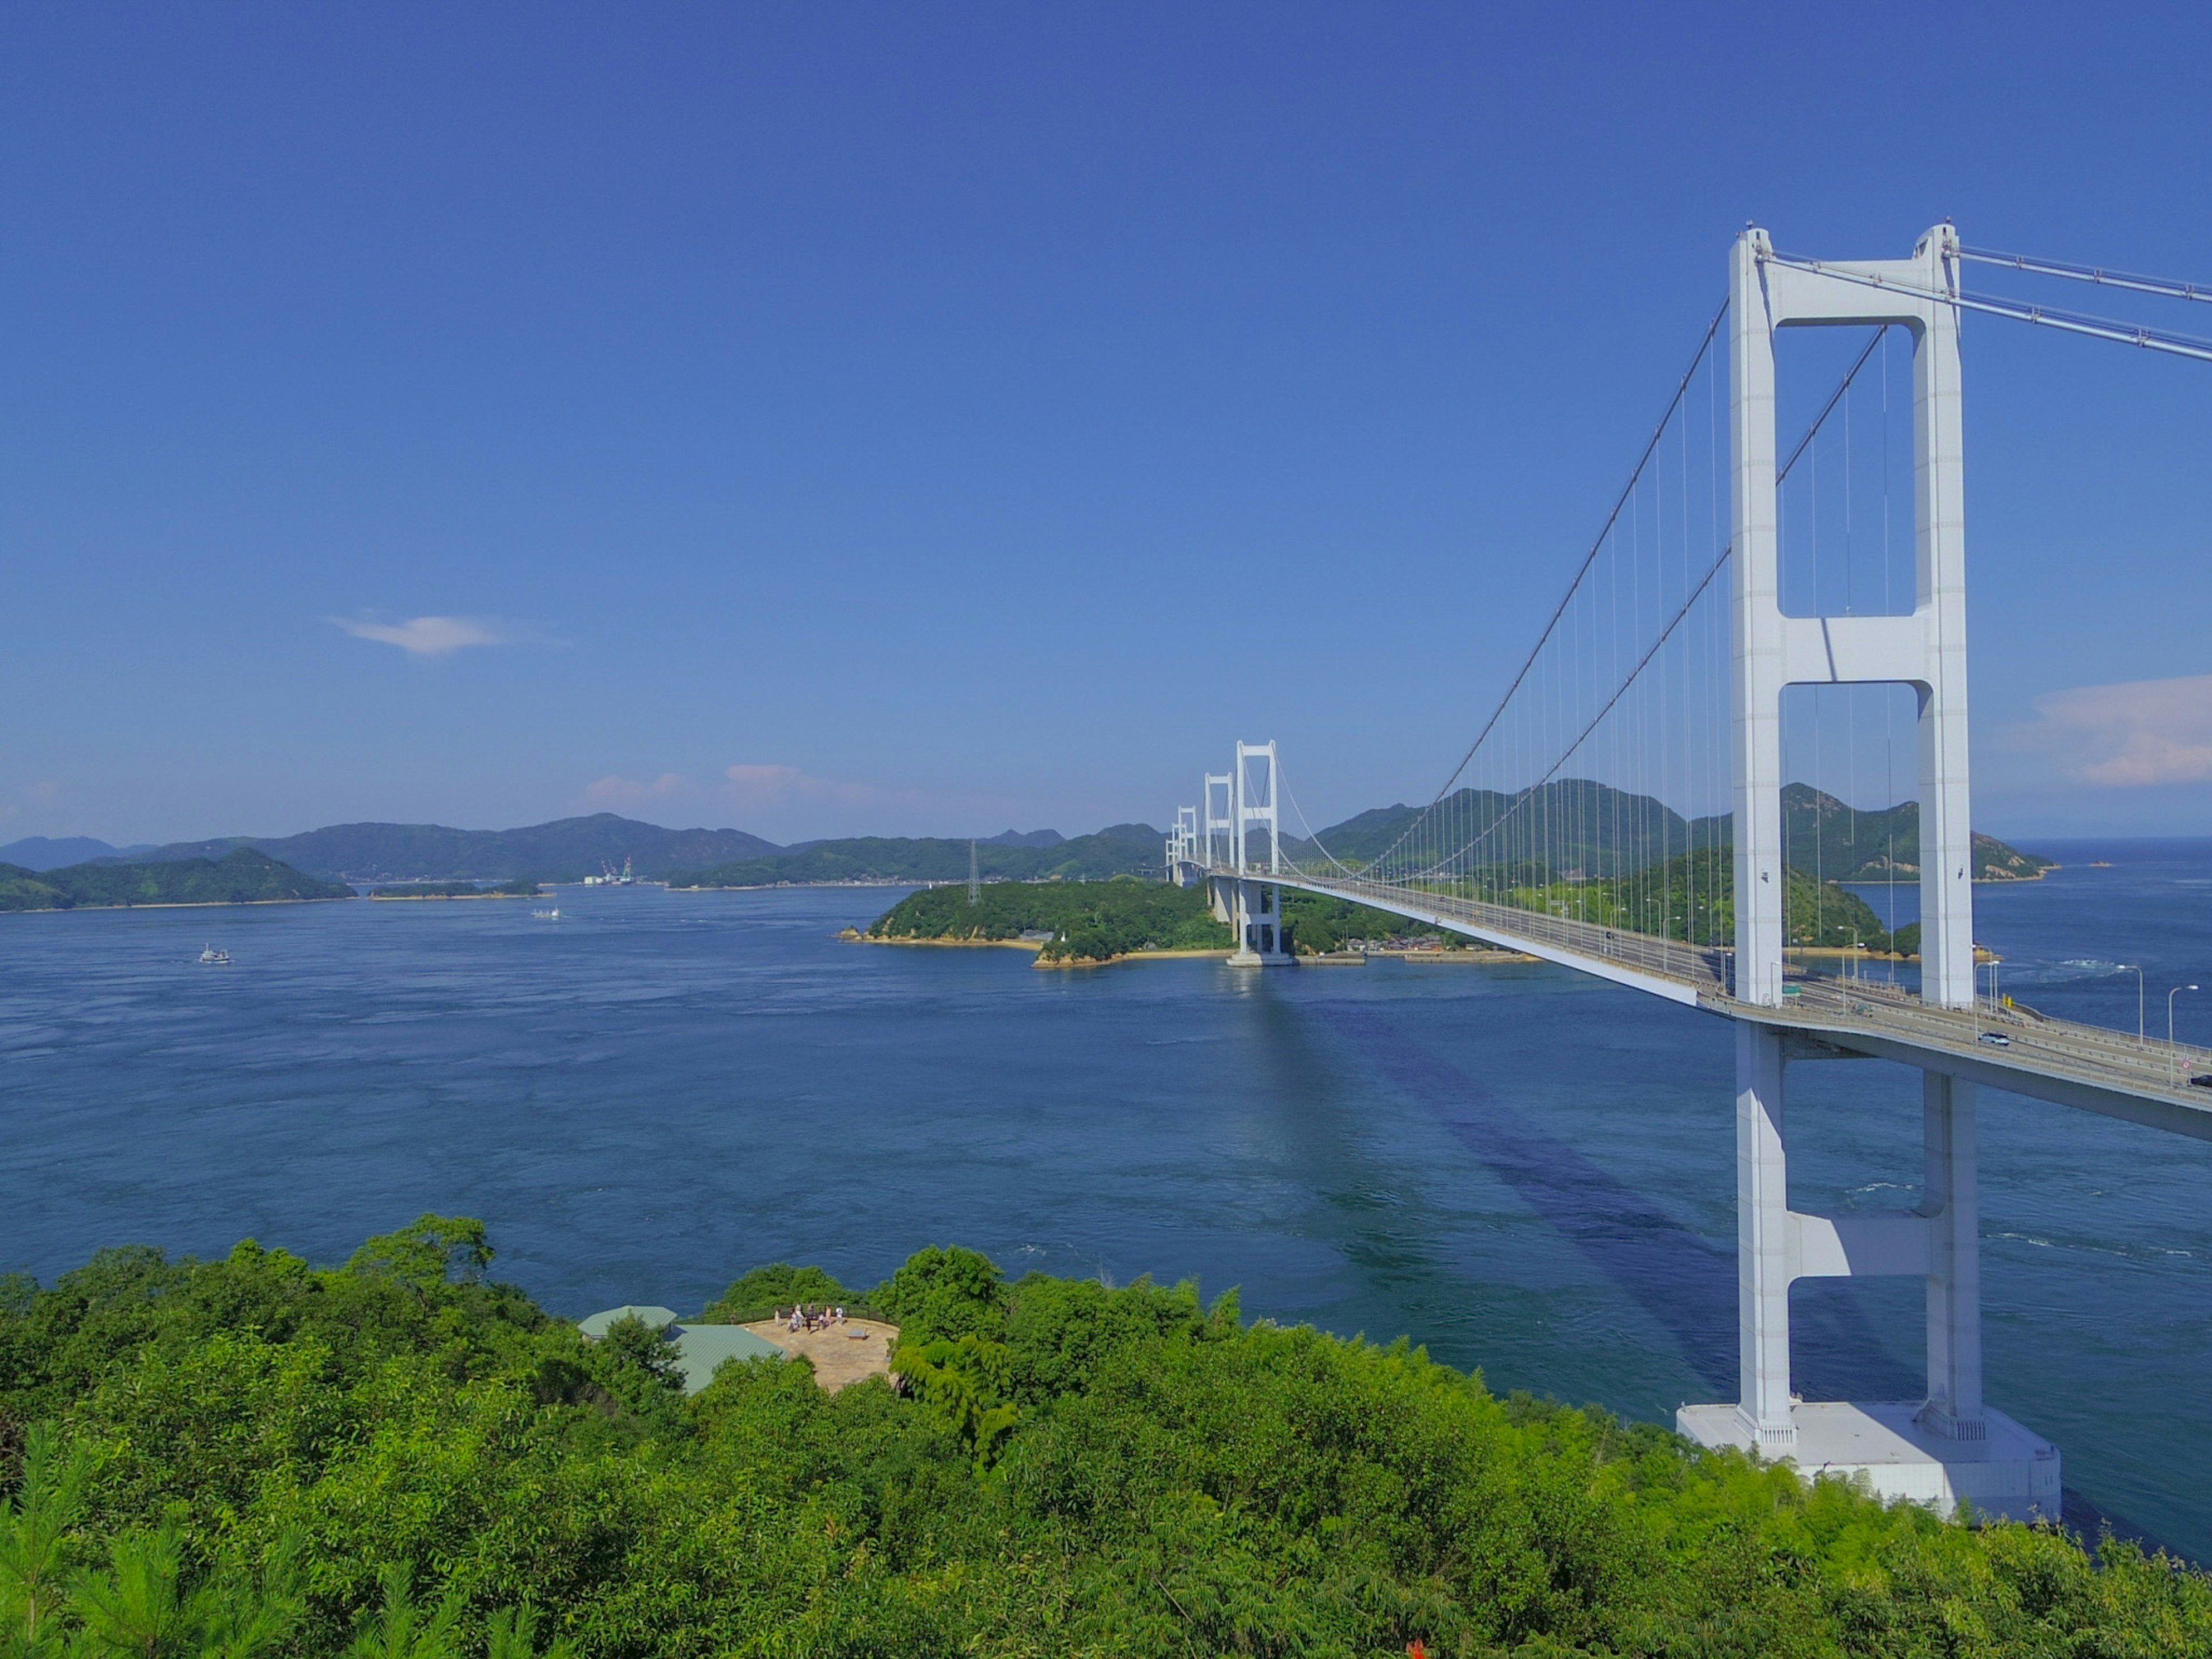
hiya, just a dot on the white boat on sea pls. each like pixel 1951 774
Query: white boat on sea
pixel 547 916
pixel 214 957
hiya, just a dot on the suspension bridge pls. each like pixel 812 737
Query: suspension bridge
pixel 1749 615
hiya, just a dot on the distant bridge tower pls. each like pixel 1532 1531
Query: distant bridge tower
pixel 1183 849
pixel 1220 846
pixel 1949 1445
pixel 1256 908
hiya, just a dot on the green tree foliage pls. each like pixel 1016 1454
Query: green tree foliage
pixel 1320 923
pixel 434 1249
pixel 945 1292
pixel 253 1457
pixel 37 1528
pixel 1088 920
pixel 966 1383
pixel 238 878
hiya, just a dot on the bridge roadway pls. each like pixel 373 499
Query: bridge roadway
pixel 2085 1066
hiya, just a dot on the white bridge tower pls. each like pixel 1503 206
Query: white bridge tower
pixel 1243 844
pixel 1949 1445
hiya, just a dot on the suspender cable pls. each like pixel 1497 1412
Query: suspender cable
pixel 1588 559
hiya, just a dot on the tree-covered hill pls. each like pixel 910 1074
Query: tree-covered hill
pixel 1580 829
pixel 240 877
pixel 1085 920
pixel 1119 849
pixel 255 1458
pixel 567 849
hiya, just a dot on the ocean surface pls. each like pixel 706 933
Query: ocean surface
pixel 1525 1172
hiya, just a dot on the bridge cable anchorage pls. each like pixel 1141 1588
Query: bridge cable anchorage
pixel 1704 345
pixel 2020 311
pixel 1442 864
pixel 2165 287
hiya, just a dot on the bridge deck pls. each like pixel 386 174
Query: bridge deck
pixel 2087 1066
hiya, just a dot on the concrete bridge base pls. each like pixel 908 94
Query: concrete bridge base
pixel 2012 1475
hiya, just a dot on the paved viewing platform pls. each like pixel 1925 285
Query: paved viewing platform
pixel 841 1354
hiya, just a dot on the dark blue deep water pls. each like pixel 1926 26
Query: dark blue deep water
pixel 1528 1172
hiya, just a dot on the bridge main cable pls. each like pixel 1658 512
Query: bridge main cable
pixel 2020 311
pixel 2166 288
pixel 1628 490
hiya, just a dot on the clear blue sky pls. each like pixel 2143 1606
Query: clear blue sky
pixel 962 417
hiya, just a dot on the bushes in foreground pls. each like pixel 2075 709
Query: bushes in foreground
pixel 253 1456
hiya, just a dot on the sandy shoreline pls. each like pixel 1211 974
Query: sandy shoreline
pixel 433 898
pixel 859 938
pixel 167 904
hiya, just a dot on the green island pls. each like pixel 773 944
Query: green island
pixel 1105 921
pixel 257 1458
pixel 1691 898
pixel 1068 920
pixel 240 876
pixel 455 890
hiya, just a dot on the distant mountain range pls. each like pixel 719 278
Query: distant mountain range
pixel 569 850
pixel 48 852
pixel 1587 829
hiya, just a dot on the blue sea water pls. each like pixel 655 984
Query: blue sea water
pixel 1528 1172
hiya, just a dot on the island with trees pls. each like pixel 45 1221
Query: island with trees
pixel 242 876
pixel 1691 898
pixel 257 1457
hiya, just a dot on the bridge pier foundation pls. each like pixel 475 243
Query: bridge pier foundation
pixel 1945 1450
pixel 1256 913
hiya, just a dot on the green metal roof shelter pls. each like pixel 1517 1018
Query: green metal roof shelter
pixel 699 1348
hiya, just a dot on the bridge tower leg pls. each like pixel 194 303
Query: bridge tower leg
pixel 1949 1446
pixel 1765 1417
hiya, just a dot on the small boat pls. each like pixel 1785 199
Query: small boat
pixel 215 958
pixel 547 916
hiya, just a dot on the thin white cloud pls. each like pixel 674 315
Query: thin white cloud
pixel 769 785
pixel 429 636
pixel 2128 736
pixel 615 791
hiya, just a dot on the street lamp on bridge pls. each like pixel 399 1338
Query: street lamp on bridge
pixel 2170 1050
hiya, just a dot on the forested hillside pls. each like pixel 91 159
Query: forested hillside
pixel 1578 829
pixel 1086 920
pixel 1119 849
pixel 240 876
pixel 257 1459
